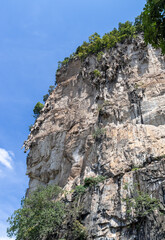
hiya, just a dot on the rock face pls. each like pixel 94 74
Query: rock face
pixel 109 122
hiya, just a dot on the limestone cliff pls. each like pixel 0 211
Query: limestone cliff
pixel 108 122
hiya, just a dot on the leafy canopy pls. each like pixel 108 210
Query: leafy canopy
pixel 96 44
pixel 37 109
pixel 44 214
pixel 140 204
pixel 39 216
pixel 153 20
pixel 50 90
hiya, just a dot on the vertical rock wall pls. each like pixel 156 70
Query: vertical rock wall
pixel 110 124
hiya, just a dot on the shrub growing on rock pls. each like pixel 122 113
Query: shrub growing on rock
pixel 37 109
pixel 92 181
pixel 140 204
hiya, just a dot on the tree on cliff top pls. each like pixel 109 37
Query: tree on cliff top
pixel 153 20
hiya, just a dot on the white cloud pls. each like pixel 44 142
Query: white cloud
pixel 6 158
pixel 6 238
pixel 3 228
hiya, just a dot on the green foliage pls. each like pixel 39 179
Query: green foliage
pixel 99 132
pixel 99 56
pixel 96 73
pixel 135 168
pixel 92 181
pixel 79 231
pixel 59 65
pixel 99 107
pixel 45 97
pixel 40 215
pixel 153 19
pixel 51 88
pixel 96 44
pixel 80 190
pixel 126 30
pixel 30 127
pixel 44 215
pixel 140 204
pixel 151 22
pixel 138 24
pixel 37 109
pixel 105 103
pixel 65 61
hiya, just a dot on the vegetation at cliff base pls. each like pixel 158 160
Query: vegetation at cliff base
pixel 45 213
pixel 40 215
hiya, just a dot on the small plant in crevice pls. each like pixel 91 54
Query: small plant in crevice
pixel 99 56
pixel 50 90
pixel 136 86
pixel 79 231
pixel 134 168
pixel 30 127
pixel 158 158
pixel 140 204
pixel 105 103
pixel 97 73
pixel 39 106
pixel 98 132
pixel 80 190
pixel 93 181
pixel 99 107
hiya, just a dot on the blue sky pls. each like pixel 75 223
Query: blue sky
pixel 34 36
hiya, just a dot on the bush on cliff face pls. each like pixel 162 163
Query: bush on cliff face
pixel 37 109
pixel 93 181
pixel 50 90
pixel 40 215
pixel 140 204
pixel 79 231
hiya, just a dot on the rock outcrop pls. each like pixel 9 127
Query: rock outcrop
pixel 108 122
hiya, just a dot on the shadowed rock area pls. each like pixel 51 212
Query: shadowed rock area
pixel 110 124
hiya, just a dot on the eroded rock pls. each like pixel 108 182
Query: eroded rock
pixel 107 125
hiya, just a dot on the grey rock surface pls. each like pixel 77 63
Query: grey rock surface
pixel 107 125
